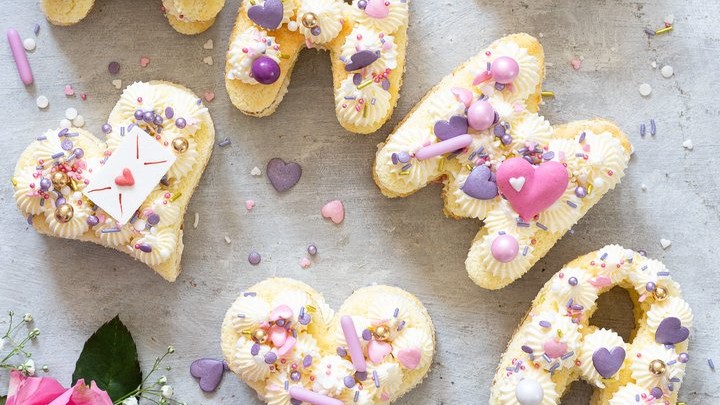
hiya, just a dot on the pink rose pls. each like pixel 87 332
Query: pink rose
pixel 47 391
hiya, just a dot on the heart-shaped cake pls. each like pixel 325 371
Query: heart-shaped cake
pixel 479 133
pixel 284 341
pixel 556 344
pixel 130 191
pixel 188 17
pixel 367 41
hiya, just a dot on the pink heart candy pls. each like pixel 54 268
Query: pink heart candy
pixel 600 281
pixel 409 358
pixel 287 346
pixel 463 95
pixel 334 210
pixel 144 61
pixel 377 9
pixel 281 312
pixel 531 189
pixel 554 349
pixel 69 91
pixel 377 350
pixel 278 335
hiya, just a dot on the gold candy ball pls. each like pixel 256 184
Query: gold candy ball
pixel 657 367
pixel 382 332
pixel 660 293
pixel 64 213
pixel 259 335
pixel 309 20
pixel 180 144
pixel 59 180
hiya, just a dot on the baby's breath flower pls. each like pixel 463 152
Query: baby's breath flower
pixel 130 401
pixel 28 367
pixel 27 318
pixel 167 391
pixel 162 380
pixel 171 349
pixel 34 333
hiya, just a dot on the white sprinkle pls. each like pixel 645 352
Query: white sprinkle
pixel 643 187
pixel 667 71
pixel 669 19
pixel 645 89
pixel 29 44
pixel 79 121
pixel 541 35
pixel 42 102
pixel 197 220
pixel 653 64
pixel 117 83
pixel 65 123
pixel 687 144
pixel 256 171
pixel 227 240
pixel 209 44
pixel 292 26
pixel 71 113
pixel 665 243
pixel 208 60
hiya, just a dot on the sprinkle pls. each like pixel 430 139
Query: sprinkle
pixel 175 196
pixel 376 379
pixel 255 171
pixel 241 316
pixel 117 83
pixel 110 230
pixel 604 256
pixel 227 239
pixel 209 44
pixel 541 226
pixel 114 68
pixel 572 204
pixel 527 349
pixel 688 144
pixel 57 155
pixel 396 312
pixel 254 258
pixel 406 167
pixel 523 224
pixel 287 385
pixel 401 326
pixel 197 220
pixel 41 138
pixel 29 44
pixel 711 364
pixel 36 29
pixel 642 129
pixel 653 127
pixel 545 324
pixel 645 89
pixel 525 250
pixel 663 273
pixel 547 358
pixel 554 367
pixel 547 93
pixel 567 355
pixel 224 142
pixel 665 243
pixel 42 102
pixel 663 30
pixel 667 71
pixel 208 60
pixel 650 32
pixel 209 95
pixel 249 294
pixel 364 84
pixel 357 396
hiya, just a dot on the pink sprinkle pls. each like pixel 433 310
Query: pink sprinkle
pixel 249 204
pixel 576 63
pixel 83 96
pixel 69 90
pixel 305 263
pixel 144 61
pixel 209 95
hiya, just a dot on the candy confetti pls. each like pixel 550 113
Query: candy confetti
pixel 305 263
pixel 254 258
pixel 29 44
pixel 144 61
pixel 667 71
pixel 209 44
pixel 688 144
pixel 256 171
pixel 208 60
pixel 249 204
pixel 69 91
pixel 114 68
pixel 117 83
pixel 645 89
pixel 665 243
pixel 42 102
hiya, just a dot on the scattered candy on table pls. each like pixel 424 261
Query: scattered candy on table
pixel 254 258
pixel 21 60
pixel 334 210
pixel 42 102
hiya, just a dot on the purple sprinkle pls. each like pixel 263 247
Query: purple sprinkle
pixel 349 381
pixel 287 385
pixel 41 138
pixel 650 32
pixel 582 137
pixel 394 158
pixel 366 335
pixel 71 134
pixel 144 247
pixel 604 256
pixel 357 396
pixel 224 142
pixel 401 326
pixel 36 28
pixel 545 324
pixel 307 361
pixel 62 132
pixel 577 307
pixel 525 251
pixel 572 204
pixel 341 351
pixel 357 79
pixel 527 349
pixel 567 355
pixel 169 112
pixel 711 364
pixel 663 273
pixel 653 128
pixel 553 367
pixel 548 155
pixel 254 258
pixel 110 230
pixel 376 379
pixel 523 224
pixel 241 316
pixel 249 294
pixel 642 129
pixel 406 167
pixel 541 226
pixel 114 68
pixel 30 217
pixel 57 155
pixel 270 358
pixel 255 349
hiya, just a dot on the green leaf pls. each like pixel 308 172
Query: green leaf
pixel 110 359
pixel 3 400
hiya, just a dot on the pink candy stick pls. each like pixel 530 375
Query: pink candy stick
pixel 443 147
pixel 313 398
pixel 356 353
pixel 21 60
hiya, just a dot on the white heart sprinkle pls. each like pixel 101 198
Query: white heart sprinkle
pixel 255 171
pixel 209 44
pixel 665 243
pixel 517 183
pixel 117 83
pixel 688 144
pixel 208 60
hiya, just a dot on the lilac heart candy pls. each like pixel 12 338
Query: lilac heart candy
pixel 455 126
pixel 670 332
pixel 481 184
pixel 283 176
pixel 361 59
pixel 608 362
pixel 268 15
pixel 209 371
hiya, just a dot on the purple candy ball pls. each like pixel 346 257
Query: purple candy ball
pixel 573 281
pixel 180 123
pixel 312 250
pixel 169 112
pixel 149 116
pixel 265 70
pixel 79 153
pixel 295 376
pixel 506 139
pixel 581 192
pixel 158 120
pixel 650 286
pixel 362 4
pixel 45 184
pixel 139 115
pixel 153 219
pixel 60 201
pixel 683 358
pixel 106 128
pixel 254 258
pixel 92 220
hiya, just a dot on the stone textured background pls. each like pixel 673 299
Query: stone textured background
pixel 72 288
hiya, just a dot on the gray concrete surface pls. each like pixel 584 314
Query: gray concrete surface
pixel 72 288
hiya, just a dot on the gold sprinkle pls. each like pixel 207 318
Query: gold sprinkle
pixel 365 110
pixel 365 84
pixel 559 333
pixel 589 188
pixel 468 167
pixel 663 30
pixel 74 184
pixel 284 56
pixel 441 164
pixel 310 308
pixel 246 332
pixel 175 196
pixel 547 93
pixel 404 172
pixel 14 182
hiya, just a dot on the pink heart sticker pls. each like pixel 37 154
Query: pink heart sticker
pixel 377 351
pixel 334 210
pixel 542 185
pixel 409 358
pixel 554 349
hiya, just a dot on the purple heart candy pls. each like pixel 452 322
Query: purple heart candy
pixel 456 125
pixel 361 59
pixel 209 371
pixel 283 176
pixel 481 184
pixel 670 332
pixel 608 362
pixel 268 15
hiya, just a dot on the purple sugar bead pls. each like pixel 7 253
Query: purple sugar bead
pixel 169 112
pixel 254 258
pixel 153 219
pixel 295 376
pixel 60 201
pixel 139 115
pixel 158 120
pixel 683 358
pixel 362 4
pixel 270 358
pixel 265 70
pixel 106 128
pixel 79 153
pixel 312 250
pixel 145 248
pixel 506 139
pixel 581 192
pixel 255 349
pixel 349 381
pixel 148 116
pixel 180 123
pixel 45 184
pixel 92 220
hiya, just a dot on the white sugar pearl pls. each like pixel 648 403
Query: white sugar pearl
pixel 667 71
pixel 65 123
pixel 42 102
pixel 529 392
pixel 292 26
pixel 29 44
pixel 71 113
pixel 139 224
pixel 645 89
pixel 79 121
pixel 76 195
